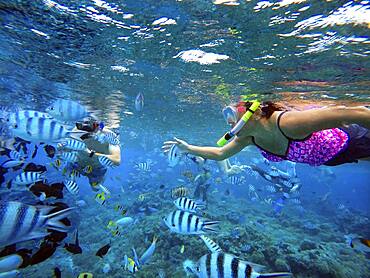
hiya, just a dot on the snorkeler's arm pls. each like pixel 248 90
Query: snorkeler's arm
pixel 114 154
pixel 216 153
pixel 298 124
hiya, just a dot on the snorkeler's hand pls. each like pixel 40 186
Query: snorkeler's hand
pixel 181 144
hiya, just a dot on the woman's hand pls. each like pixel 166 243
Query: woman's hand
pixel 181 144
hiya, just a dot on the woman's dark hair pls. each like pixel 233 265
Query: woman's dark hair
pixel 267 107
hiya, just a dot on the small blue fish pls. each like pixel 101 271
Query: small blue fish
pixel 9 263
pixel 146 256
pixel 139 102
pixel 12 163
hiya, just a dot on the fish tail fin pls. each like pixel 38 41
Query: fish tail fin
pixel 155 239
pixel 210 226
pixel 53 219
pixel 273 275
pixel 125 262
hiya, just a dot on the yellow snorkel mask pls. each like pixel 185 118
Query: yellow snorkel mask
pixel 230 113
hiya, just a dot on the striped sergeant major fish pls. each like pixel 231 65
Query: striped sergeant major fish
pixel 225 265
pixel 72 187
pixel 105 161
pixel 68 156
pixel 180 191
pixel 36 129
pixel 67 110
pixel 143 166
pixel 211 245
pixel 183 222
pixel 14 155
pixel 20 222
pixel 187 204
pixel 235 180
pixel 15 117
pixel 27 178
pixel 72 144
pixel 108 136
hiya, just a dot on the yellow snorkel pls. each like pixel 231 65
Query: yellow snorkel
pixel 247 115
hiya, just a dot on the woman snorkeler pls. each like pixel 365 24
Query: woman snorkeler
pixel 322 136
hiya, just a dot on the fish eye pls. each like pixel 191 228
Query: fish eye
pixel 15 126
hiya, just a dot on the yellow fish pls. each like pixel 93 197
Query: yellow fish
pixel 141 197
pixel 75 173
pixel 181 191
pixel 130 265
pixel 85 275
pixel 101 198
pixel 121 209
pixel 88 169
pixel 116 233
pixel 111 224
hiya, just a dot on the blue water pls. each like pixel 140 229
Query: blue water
pixel 103 53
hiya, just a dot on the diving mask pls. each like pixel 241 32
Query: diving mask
pixel 90 126
pixel 229 113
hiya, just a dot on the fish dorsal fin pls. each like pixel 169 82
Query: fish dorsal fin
pixel 255 267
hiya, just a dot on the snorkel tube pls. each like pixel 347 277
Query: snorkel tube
pixel 247 115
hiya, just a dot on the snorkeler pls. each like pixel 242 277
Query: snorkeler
pixel 324 136
pixel 88 163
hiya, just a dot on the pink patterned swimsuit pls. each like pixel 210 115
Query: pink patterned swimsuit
pixel 315 150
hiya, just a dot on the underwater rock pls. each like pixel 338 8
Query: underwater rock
pixel 307 245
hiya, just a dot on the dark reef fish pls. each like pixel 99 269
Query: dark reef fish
pixel 74 248
pixel 53 190
pixel 57 273
pixel 103 251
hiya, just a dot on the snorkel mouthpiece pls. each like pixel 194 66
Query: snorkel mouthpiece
pixel 247 115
